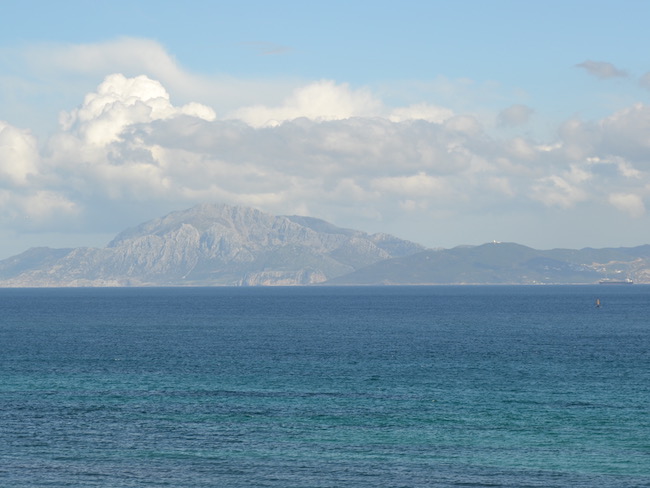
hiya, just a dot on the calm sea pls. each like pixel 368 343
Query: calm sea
pixel 325 387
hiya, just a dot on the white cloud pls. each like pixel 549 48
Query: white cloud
pixel 43 206
pixel 521 149
pixel 558 191
pixel 421 111
pixel 464 123
pixel 120 102
pixel 54 74
pixel 126 52
pixel 36 210
pixel 128 143
pixel 25 200
pixel 323 100
pixel 336 152
pixel 626 133
pixel 129 55
pixel 626 169
pixel 579 140
pixel 628 203
pixel 601 69
pixel 325 150
pixel 18 155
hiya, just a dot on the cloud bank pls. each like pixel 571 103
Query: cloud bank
pixel 326 150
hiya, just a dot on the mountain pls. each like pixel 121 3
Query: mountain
pixel 210 245
pixel 505 263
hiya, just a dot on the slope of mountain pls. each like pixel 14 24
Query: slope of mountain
pixel 505 263
pixel 209 245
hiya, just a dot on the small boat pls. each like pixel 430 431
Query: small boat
pixel 597 302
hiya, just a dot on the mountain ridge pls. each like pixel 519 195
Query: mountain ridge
pixel 506 263
pixel 209 244
pixel 221 245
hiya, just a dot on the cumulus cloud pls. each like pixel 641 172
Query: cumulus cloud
pixel 67 70
pixel 602 69
pixel 514 115
pixel 26 202
pixel 120 102
pixel 128 142
pixel 335 152
pixel 323 100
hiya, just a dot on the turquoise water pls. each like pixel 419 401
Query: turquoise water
pixel 325 387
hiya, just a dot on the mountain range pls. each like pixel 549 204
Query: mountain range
pixel 221 245
pixel 507 263
pixel 210 245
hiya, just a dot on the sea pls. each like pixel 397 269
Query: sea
pixel 429 386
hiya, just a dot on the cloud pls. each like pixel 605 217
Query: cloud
pixel 514 115
pixel 120 102
pixel 26 199
pixel 521 149
pixel 335 152
pixel 58 72
pixel 628 203
pixel 18 155
pixel 323 100
pixel 127 142
pixel 625 133
pixel 421 111
pixel 330 145
pixel 127 54
pixel 602 70
pixel 557 191
pixel 418 185
pixel 43 206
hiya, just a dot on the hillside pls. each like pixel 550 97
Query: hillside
pixel 506 263
pixel 220 245
pixel 210 245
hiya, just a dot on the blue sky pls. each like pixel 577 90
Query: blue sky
pixel 446 123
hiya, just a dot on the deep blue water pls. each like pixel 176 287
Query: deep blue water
pixel 325 387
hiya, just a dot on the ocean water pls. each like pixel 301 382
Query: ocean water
pixel 325 387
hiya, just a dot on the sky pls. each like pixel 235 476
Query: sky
pixel 445 123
